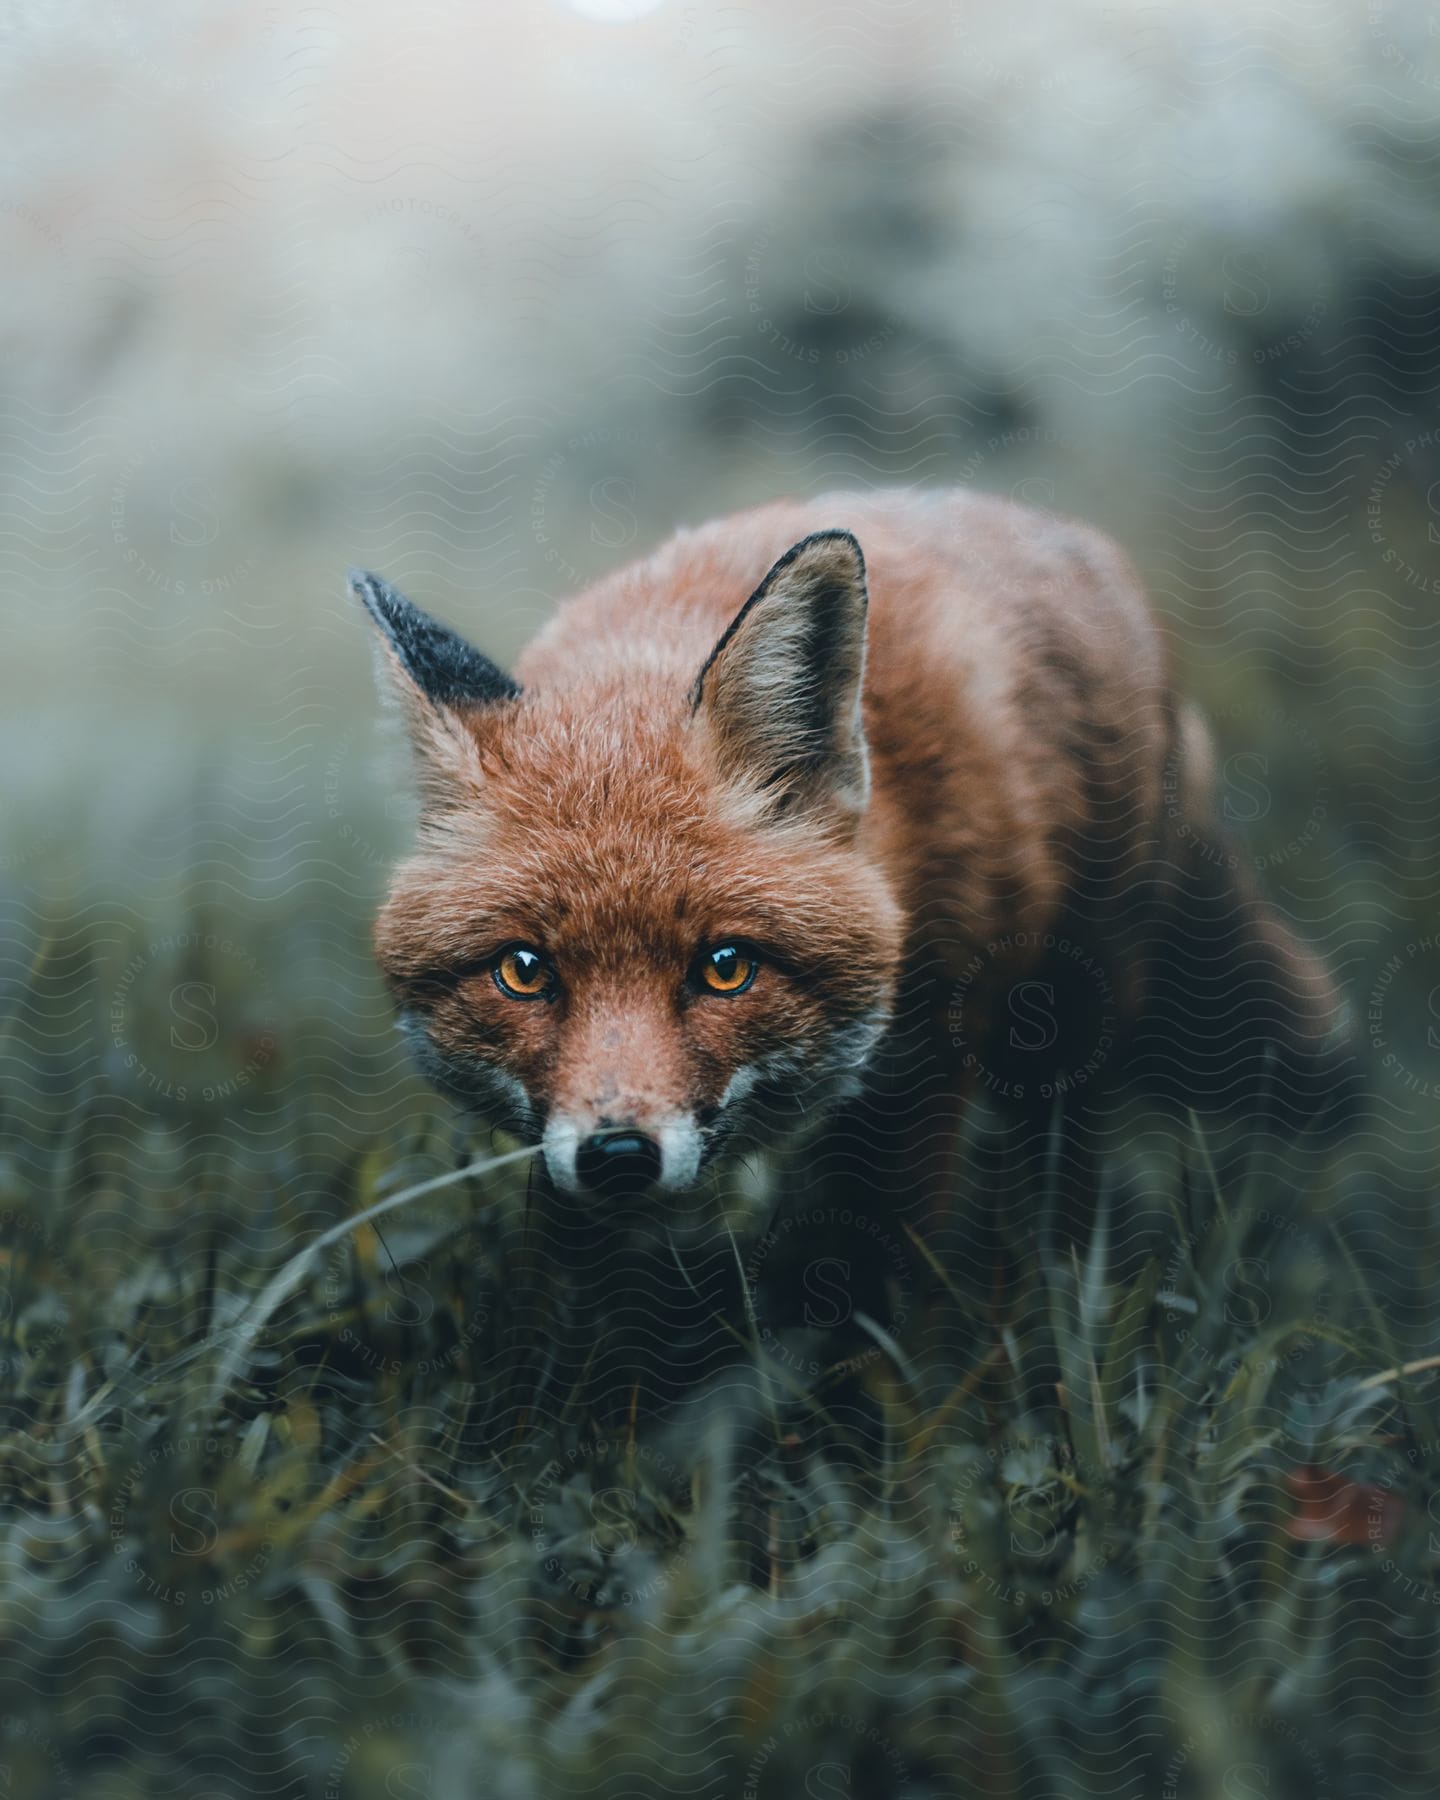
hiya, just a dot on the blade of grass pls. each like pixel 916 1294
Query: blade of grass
pixel 1126 1335
pixel 246 1330
pixel 768 1371
pixel 891 1349
pixel 956 1398
pixel 936 1266
pixel 1408 1394
pixel 1203 1147
pixel 1410 1368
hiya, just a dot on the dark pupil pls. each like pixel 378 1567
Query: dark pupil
pixel 725 961
pixel 526 964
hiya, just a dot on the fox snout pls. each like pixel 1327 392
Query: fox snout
pixel 621 1160
pixel 620 1118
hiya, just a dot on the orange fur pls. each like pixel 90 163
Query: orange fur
pixel 1024 739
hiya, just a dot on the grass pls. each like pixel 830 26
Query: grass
pixel 1098 1492
pixel 350 1482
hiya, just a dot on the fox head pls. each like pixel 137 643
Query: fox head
pixel 639 926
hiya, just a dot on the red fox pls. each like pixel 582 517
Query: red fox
pixel 769 831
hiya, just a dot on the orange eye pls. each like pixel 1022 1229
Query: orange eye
pixel 728 970
pixel 523 973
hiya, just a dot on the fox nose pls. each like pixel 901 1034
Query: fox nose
pixel 618 1161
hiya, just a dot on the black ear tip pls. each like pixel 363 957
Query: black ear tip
pixel 442 665
pixel 842 538
pixel 376 594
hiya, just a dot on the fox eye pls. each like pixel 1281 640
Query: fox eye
pixel 523 973
pixel 727 970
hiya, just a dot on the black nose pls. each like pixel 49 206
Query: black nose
pixel 616 1162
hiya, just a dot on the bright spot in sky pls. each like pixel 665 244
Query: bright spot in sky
pixel 622 11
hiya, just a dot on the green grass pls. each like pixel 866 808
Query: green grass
pixel 468 1500
pixel 416 1506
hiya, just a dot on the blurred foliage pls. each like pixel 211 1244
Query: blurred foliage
pixel 1123 1512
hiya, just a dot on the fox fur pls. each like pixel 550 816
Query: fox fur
pixel 918 749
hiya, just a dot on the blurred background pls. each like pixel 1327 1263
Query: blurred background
pixel 491 300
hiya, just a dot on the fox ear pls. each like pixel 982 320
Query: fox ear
pixel 437 677
pixel 782 688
